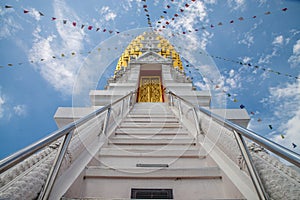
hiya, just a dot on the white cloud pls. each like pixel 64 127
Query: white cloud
pixel 107 13
pixel 237 4
pixel 186 21
pixel 261 2
pixel 20 110
pixel 234 80
pixel 294 60
pixel 286 103
pixel 35 14
pixel 7 111
pixel 8 25
pixel 278 40
pixel 110 16
pixel 2 102
pixel 246 59
pixel 266 59
pixel 59 72
pixel 248 39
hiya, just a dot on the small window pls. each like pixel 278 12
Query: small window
pixel 151 193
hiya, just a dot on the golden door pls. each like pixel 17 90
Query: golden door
pixel 150 89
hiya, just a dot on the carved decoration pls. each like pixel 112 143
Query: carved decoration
pixel 150 89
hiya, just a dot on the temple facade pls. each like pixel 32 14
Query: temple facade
pixel 143 137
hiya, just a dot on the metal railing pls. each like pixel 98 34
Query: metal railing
pixel 66 134
pixel 240 132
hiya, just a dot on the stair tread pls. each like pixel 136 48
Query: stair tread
pixel 151 119
pixel 150 153
pixel 143 115
pixel 154 172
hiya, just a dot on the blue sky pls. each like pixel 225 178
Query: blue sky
pixel 30 92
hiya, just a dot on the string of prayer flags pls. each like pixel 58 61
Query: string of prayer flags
pixel 250 65
pixel 220 23
pixel 147 14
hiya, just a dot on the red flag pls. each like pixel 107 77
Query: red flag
pixel 90 27
pixel 187 5
pixel 163 26
pixel 176 15
pixel 167 22
pixel 26 11
pixel 104 30
pixel 53 18
pixel 74 23
pixel 181 10
pixel 144 6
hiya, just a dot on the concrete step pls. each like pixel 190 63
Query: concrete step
pixel 150 147
pixel 152 113
pixel 153 131
pixel 143 115
pixel 150 153
pixel 150 137
pixel 150 173
pixel 150 125
pixel 153 141
pixel 150 119
pixel 118 162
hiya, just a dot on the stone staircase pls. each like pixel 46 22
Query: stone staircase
pixel 151 149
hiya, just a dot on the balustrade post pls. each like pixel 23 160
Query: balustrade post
pixel 45 193
pixel 122 108
pixel 106 120
pixel 251 168
pixel 180 111
pixel 197 122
